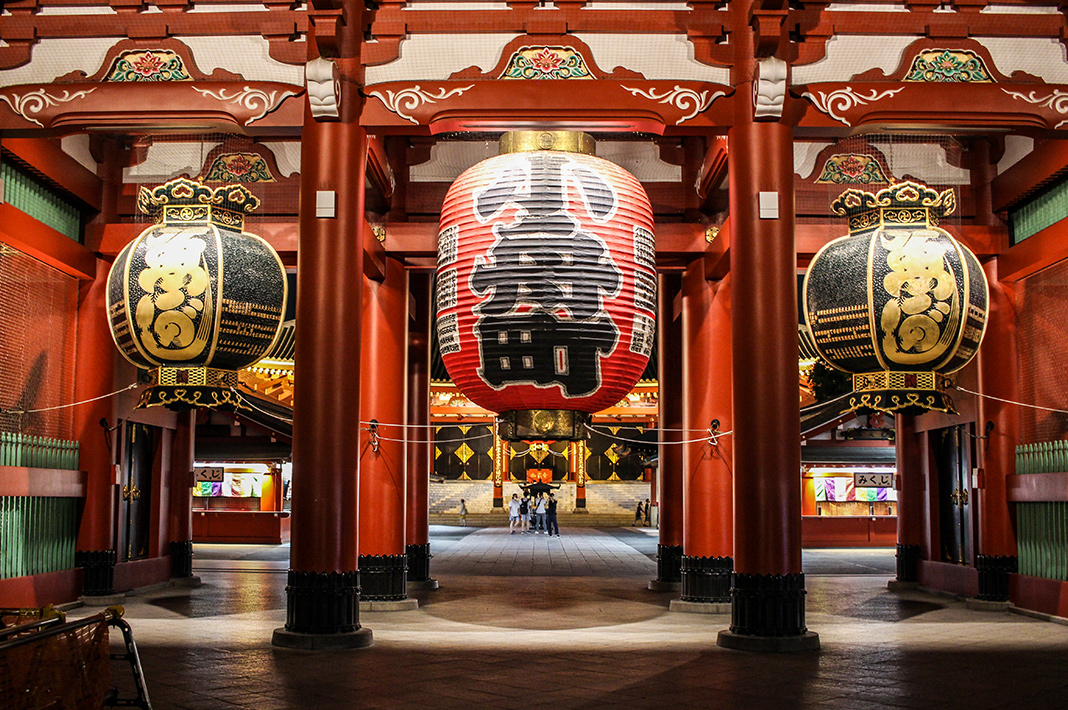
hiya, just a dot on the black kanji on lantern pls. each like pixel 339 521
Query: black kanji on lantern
pixel 544 322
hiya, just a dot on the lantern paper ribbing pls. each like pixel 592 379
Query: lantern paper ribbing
pixel 899 302
pixel 546 286
pixel 194 298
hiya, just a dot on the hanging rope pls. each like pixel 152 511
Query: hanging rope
pixel 420 426
pixel 1009 401
pixel 72 404
pixel 711 438
pixel 426 441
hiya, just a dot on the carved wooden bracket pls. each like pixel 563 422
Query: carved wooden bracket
pixel 135 105
pixel 851 104
pixel 636 105
pixel 769 25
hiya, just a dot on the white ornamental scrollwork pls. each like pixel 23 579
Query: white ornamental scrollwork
pixel 684 99
pixel 35 101
pixel 411 99
pixel 1058 101
pixel 252 99
pixel 845 99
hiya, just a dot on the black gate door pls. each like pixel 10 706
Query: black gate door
pixel 953 463
pixel 135 511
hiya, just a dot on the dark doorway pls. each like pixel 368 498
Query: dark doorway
pixel 952 447
pixel 135 509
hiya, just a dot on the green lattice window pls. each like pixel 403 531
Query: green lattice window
pixel 26 193
pixel 1041 211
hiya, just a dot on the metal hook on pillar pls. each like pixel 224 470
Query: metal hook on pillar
pixel 374 435
pixel 713 432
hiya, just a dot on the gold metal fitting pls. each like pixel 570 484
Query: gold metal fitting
pixel 379 231
pixel 711 233
pixel 564 141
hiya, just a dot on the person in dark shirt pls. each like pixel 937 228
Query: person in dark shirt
pixel 647 512
pixel 550 517
pixel 638 512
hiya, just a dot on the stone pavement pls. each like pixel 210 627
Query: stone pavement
pixel 528 621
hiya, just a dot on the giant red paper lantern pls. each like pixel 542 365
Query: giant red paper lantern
pixel 546 284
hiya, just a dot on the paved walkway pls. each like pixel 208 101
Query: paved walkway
pixel 528 621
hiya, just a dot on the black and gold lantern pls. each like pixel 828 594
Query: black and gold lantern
pixel 899 303
pixel 194 298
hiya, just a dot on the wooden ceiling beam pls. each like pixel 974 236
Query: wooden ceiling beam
pixel 1043 165
pixel 47 159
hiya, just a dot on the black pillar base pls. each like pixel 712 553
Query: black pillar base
pixel 322 603
pixel 994 571
pixel 768 605
pixel 908 558
pixel 580 502
pixel 418 562
pixel 383 578
pixel 98 567
pixel 182 559
pixel 706 580
pixel 669 563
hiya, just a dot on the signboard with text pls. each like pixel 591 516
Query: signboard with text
pixel 210 474
pixel 873 480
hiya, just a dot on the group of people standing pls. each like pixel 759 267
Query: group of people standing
pixel 533 515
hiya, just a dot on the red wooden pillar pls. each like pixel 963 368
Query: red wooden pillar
pixel 323 585
pixel 94 376
pixel 669 376
pixel 768 596
pixel 911 506
pixel 383 407
pixel 1000 423
pixel 708 544
pixel 180 503
pixel 420 435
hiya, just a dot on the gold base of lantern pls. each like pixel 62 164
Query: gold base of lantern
pixel 901 393
pixel 564 141
pixel 543 425
pixel 183 388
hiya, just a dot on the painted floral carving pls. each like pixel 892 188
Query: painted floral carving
pixel 148 65
pixel 948 65
pixel 239 168
pixel 852 169
pixel 546 63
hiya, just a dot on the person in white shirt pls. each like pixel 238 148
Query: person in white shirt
pixel 513 514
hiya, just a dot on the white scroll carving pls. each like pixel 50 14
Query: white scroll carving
pixel 684 99
pixel 34 101
pixel 845 99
